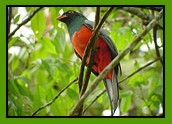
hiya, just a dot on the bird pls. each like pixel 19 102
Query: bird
pixel 80 30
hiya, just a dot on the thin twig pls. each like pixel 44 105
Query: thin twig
pixel 152 8
pixel 142 97
pixel 138 13
pixel 87 52
pixel 145 17
pixel 90 44
pixel 156 45
pixel 124 79
pixel 24 22
pixel 91 58
pixel 141 68
pixel 90 64
pixel 55 98
pixel 94 101
pixel 115 62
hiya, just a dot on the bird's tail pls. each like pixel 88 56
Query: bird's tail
pixel 112 90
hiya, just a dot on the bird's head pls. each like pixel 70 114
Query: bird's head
pixel 73 20
pixel 70 16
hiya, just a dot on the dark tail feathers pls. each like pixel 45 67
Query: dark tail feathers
pixel 112 90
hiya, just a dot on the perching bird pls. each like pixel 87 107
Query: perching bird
pixel 80 30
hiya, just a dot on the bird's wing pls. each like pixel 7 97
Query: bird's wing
pixel 107 39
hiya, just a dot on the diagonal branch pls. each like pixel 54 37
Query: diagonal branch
pixel 53 100
pixel 138 13
pixel 115 62
pixel 91 58
pixel 141 68
pixel 90 64
pixel 124 79
pixel 91 45
pixel 24 22
pixel 94 101
pixel 90 49
pixel 145 17
pixel 152 8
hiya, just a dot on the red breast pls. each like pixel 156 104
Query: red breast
pixel 102 57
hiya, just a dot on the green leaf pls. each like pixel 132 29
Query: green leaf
pixel 43 49
pixel 161 22
pixel 15 63
pixel 16 18
pixel 156 86
pixel 18 88
pixel 54 13
pixel 125 104
pixel 125 93
pixel 60 39
pixel 12 41
pixel 48 46
pixel 13 88
pixel 125 100
pixel 72 94
pixel 46 66
pixel 136 64
pixel 42 92
pixel 24 79
pixel 136 80
pixel 38 24
pixel 23 89
pixel 41 77
pixel 160 33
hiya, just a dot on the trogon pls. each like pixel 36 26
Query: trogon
pixel 80 30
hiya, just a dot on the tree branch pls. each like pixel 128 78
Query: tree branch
pixel 115 62
pixel 93 40
pixel 145 17
pixel 94 101
pixel 53 100
pixel 156 45
pixel 89 46
pixel 91 58
pixel 141 68
pixel 91 43
pixel 24 22
pixel 138 13
pixel 124 79
pixel 152 8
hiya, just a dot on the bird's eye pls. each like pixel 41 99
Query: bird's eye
pixel 70 12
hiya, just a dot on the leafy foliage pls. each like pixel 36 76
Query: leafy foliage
pixel 41 62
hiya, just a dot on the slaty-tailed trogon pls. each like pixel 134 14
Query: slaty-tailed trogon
pixel 80 30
